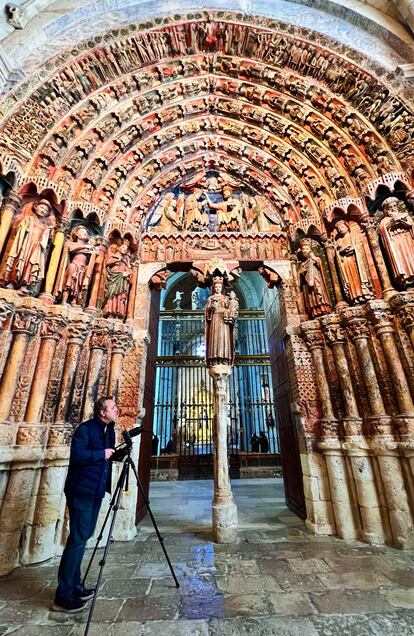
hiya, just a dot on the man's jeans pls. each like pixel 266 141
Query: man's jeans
pixel 83 514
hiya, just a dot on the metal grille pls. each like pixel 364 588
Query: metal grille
pixel 183 414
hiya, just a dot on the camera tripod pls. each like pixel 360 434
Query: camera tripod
pixel 122 484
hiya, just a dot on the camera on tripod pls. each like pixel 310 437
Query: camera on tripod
pixel 123 449
pixel 122 454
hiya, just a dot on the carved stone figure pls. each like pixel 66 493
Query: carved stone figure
pixel 220 313
pixel 177 300
pixel 77 267
pixel 396 230
pixel 352 264
pixel 229 212
pixel 16 16
pixel 118 274
pixel 196 218
pixel 170 219
pixel 312 281
pixel 25 260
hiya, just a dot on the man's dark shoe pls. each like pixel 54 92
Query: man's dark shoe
pixel 68 605
pixel 84 594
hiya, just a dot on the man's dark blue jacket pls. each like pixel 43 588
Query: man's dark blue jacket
pixel 89 474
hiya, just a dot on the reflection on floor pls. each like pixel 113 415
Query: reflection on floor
pixel 279 580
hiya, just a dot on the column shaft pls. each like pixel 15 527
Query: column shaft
pixel 10 206
pixel 77 332
pixel 25 324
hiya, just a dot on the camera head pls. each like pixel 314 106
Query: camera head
pixel 123 449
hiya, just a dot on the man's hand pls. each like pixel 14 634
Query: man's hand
pixel 109 452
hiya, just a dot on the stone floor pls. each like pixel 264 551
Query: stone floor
pixel 279 580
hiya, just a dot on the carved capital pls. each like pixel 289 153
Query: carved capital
pixel 271 278
pixel 402 306
pixel 52 327
pixel 332 329
pixel 12 201
pixel 159 280
pixel 312 335
pixel 380 316
pixel 77 331
pixel 6 310
pixel 121 339
pixel 63 226
pixel 358 329
pixel 99 338
pixel 26 320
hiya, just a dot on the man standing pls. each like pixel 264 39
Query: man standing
pixel 89 477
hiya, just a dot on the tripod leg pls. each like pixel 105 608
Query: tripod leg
pixel 160 539
pixel 101 533
pixel 102 562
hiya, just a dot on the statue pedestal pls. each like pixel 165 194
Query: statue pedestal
pixel 224 510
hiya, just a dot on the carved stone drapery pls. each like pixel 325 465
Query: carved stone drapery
pixel 371 230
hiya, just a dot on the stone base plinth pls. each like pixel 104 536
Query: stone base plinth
pixel 225 522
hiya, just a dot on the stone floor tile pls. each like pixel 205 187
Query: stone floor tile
pixel 308 566
pixel 202 606
pixel 162 628
pixel 125 588
pixel 299 582
pixel 294 603
pixel 400 597
pixel 365 625
pixel 43 630
pixel 359 580
pixel 245 605
pixel 350 602
pixel 263 626
pixel 148 608
pixel 15 589
pixel 247 584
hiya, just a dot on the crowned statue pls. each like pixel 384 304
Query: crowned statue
pixel 221 313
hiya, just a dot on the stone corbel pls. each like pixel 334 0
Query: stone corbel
pixel 270 276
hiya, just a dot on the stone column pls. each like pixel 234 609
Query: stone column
pixel 371 231
pixel 77 330
pixel 402 306
pixel 224 509
pixel 330 257
pixel 355 446
pixel 98 344
pixel 11 204
pixel 132 290
pixel 59 240
pixel 341 486
pixel 315 342
pixel 389 480
pixel 25 324
pixel 381 318
pixel 7 309
pixel 359 332
pixel 335 337
pixel 121 340
pixel 50 332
